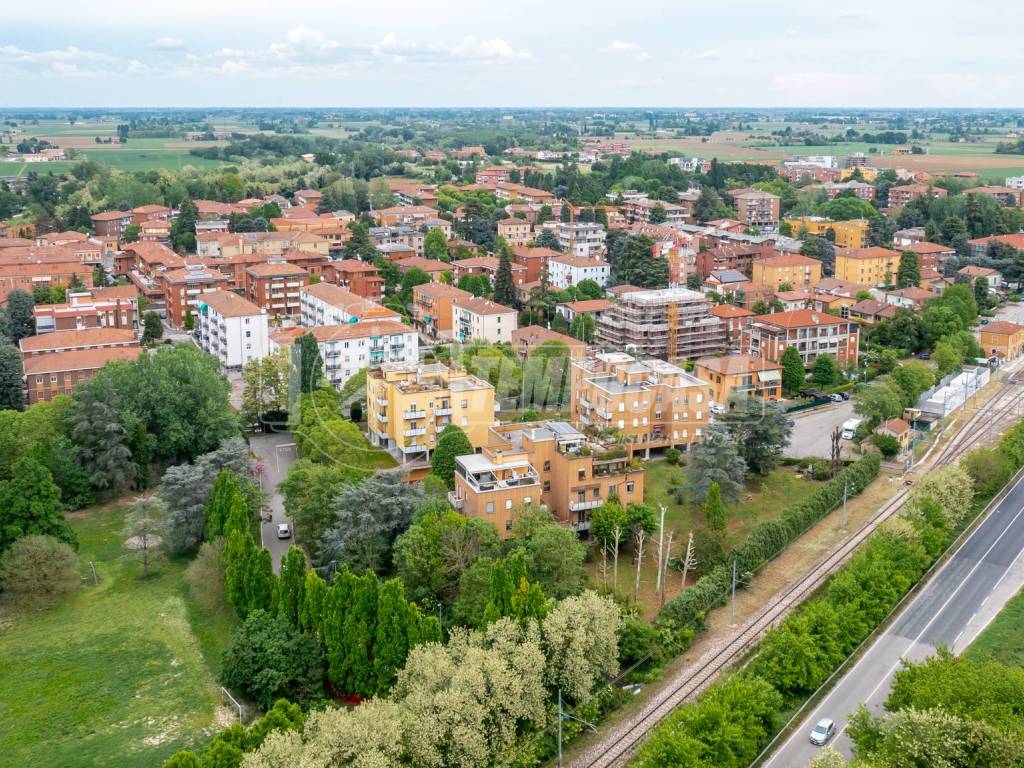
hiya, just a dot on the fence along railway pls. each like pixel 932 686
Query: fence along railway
pixel 999 411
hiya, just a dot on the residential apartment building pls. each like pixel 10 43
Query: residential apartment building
pixel 582 239
pixel 327 304
pixel 432 267
pixel 848 234
pixel 515 232
pixel 360 277
pixel 904 194
pixel 402 235
pixel 734 256
pixel 485 265
pixel 408 405
pixel 858 188
pixel 980 246
pixel 566 271
pixel 87 339
pixel 276 287
pixel 114 307
pixel 733 319
pixel 812 333
pixel 550 463
pixel 931 255
pixel 1005 196
pixel 479 319
pixel 46 376
pixel 739 375
pixel 639 210
pixel 669 323
pixel 800 272
pixel 409 215
pixel 652 403
pixel 181 290
pixel 874 266
pixel 535 260
pixel 432 309
pixel 1002 339
pixel 756 208
pixel 232 329
pixel 527 339
pixel 111 223
pixel 347 349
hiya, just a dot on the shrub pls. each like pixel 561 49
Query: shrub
pixel 887 444
pixel 672 455
pixel 205 578
pixel 39 567
pixel 637 640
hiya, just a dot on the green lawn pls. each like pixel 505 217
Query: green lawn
pixel 763 499
pixel 1003 639
pixel 120 674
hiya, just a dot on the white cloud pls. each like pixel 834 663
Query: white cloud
pixel 623 48
pixel 711 53
pixel 494 49
pixel 168 44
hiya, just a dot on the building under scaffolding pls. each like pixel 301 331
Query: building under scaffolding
pixel 668 323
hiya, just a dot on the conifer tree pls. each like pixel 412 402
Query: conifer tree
pixel 291 585
pixel 714 509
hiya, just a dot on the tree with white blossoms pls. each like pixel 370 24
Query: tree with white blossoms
pixel 581 644
pixel 471 702
pixel 951 487
pixel 828 758
pixel 368 736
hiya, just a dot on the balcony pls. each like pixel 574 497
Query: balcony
pixel 382 418
pixel 580 506
pixel 580 527
pixel 410 415
pixel 606 415
pixel 586 403
pixel 415 432
pixel 382 402
pixel 456 501
pixel 442 411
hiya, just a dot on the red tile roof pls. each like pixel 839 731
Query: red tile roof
pixel 78 360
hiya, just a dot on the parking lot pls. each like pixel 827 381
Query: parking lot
pixel 813 430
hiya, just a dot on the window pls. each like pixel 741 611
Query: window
pixel 527 500
pixel 630 486
pixel 547 486
pixel 465 403
pixel 508 503
pixel 465 421
pixel 508 524
pixel 547 466
pixel 581 474
pixel 490 507
pixel 53 379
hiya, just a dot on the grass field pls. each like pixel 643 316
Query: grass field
pixel 120 675
pixel 1003 639
pixel 764 499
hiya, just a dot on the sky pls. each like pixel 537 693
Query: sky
pixel 518 53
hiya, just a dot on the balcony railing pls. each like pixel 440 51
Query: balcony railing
pixel 442 411
pixel 410 415
pixel 415 431
pixel 606 415
pixel 455 500
pixel 382 402
pixel 579 506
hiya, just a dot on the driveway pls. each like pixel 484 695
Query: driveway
pixel 812 435
pixel 276 451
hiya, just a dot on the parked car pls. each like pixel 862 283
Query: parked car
pixel 284 531
pixel 716 408
pixel 984 321
pixel 823 732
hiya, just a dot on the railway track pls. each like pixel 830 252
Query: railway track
pixel 620 743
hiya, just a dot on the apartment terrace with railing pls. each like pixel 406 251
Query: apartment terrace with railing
pixel 550 463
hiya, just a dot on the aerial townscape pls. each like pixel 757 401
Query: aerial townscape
pixel 425 432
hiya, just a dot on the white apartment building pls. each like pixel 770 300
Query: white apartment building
pixel 232 329
pixel 348 348
pixel 474 318
pixel 329 304
pixel 564 271
pixel 584 239
pixel 1015 182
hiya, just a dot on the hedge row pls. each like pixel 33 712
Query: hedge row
pixel 684 614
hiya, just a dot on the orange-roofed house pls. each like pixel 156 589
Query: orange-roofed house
pixel 432 308
pixel 980 246
pixel 111 223
pixel 411 215
pixel 232 328
pixel 733 318
pixel 525 340
pixel 593 307
pixel 739 375
pixel 811 333
pixel 46 376
pixel 897 429
pixel 534 259
pixel 182 289
pixel 931 255
pixel 516 232
pixel 1002 339
pixel 275 286
pixel 361 277
pixel 87 338
pixel 480 319
pixel 432 267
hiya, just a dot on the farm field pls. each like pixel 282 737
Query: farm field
pixel 117 675
pixel 764 499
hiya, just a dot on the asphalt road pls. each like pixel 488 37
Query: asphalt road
pixel 812 435
pixel 276 452
pixel 957 603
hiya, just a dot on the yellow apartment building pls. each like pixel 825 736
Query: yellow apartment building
pixel 849 234
pixel 739 375
pixel 652 403
pixel 550 463
pixel 408 405
pixel 801 272
pixel 872 266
